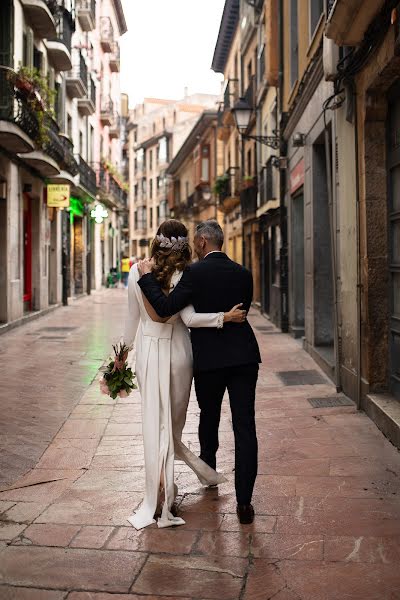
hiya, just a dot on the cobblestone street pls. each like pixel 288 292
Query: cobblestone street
pixel 327 503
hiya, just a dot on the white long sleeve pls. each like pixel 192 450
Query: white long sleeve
pixel 193 319
pixel 133 317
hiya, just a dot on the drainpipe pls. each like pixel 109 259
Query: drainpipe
pixel 282 186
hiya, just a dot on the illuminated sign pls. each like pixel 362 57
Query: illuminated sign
pixel 99 213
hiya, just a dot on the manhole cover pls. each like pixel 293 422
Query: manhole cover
pixel 311 377
pixel 264 328
pixel 330 402
pixel 57 329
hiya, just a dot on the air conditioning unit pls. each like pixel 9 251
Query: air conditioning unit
pixel 330 55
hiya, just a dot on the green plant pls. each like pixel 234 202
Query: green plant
pixel 35 91
pixel 221 184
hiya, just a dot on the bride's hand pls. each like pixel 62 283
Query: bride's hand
pixel 235 315
pixel 145 266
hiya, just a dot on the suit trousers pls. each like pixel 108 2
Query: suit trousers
pixel 240 381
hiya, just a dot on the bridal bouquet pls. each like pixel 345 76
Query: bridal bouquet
pixel 117 377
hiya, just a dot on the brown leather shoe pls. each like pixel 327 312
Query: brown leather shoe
pixel 245 513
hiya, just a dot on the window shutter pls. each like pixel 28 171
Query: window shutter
pixel 29 47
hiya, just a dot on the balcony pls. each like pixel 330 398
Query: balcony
pixel 267 185
pixel 348 20
pixel 87 176
pixel 76 79
pixel 114 130
pixel 106 34
pixel 107 112
pixel 111 191
pixel 87 104
pixel 248 201
pixel 227 188
pixel 115 59
pixel 231 96
pixel 59 47
pixel 86 13
pixel 40 16
pixel 18 122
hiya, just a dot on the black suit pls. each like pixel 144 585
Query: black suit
pixel 223 358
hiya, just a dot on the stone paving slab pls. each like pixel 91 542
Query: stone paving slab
pixel 327 503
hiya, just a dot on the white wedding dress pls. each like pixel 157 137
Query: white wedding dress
pixel 164 375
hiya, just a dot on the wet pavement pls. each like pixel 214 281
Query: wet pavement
pixel 327 495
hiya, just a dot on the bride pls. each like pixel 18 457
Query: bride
pixel 164 375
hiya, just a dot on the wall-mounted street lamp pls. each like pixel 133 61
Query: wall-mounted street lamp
pixel 207 194
pixel 242 113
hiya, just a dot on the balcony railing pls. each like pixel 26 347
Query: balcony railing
pixel 115 60
pixel 87 176
pixel 248 201
pixel 106 111
pixel 86 13
pixel 65 29
pixel 249 94
pixel 68 162
pixel 106 34
pixel 111 188
pixel 14 107
pixel 77 79
pixel 267 183
pixel 231 93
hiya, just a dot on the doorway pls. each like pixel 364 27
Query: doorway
pixel 27 257
pixel 322 259
pixel 78 255
pixel 298 277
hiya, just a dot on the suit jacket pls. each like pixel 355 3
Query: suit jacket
pixel 214 284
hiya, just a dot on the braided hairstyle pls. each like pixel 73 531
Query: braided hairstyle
pixel 169 260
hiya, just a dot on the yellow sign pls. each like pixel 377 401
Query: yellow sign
pixel 58 195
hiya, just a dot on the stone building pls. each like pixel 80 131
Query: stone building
pixel 157 129
pixel 50 132
pixel 192 175
pixel 367 103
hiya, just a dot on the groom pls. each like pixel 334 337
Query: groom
pixel 223 359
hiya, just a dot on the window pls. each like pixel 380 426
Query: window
pixel 205 164
pixel 163 150
pixel 69 126
pixel 151 217
pixel 151 189
pixel 276 250
pixel 316 10
pixel 151 160
pixel 140 159
pixel 136 219
pixel 294 43
pixel 187 189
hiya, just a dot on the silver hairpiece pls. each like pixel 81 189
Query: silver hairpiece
pixel 172 243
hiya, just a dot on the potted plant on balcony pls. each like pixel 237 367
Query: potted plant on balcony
pixel 32 89
pixel 221 185
pixel 247 182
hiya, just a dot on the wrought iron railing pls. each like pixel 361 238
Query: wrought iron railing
pixel 92 91
pixel 231 93
pixel 87 5
pixel 87 176
pixel 249 94
pixel 80 71
pixel 107 107
pixel 248 201
pixel 65 28
pixel 68 162
pixel 106 30
pixel 14 106
pixel 331 4
pixel 111 187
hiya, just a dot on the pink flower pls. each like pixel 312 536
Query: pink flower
pixel 123 394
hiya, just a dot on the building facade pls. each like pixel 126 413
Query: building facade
pixel 157 129
pixel 50 131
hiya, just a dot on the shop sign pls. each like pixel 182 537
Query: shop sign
pixel 297 177
pixel 58 195
pixel 99 213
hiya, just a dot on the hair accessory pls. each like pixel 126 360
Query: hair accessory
pixel 173 243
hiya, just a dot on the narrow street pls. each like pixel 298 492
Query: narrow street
pixel 327 503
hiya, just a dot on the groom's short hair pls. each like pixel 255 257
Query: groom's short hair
pixel 212 231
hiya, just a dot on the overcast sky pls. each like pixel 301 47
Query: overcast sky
pixel 169 45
